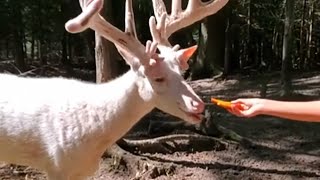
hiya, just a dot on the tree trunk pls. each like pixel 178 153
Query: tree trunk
pixel 18 52
pixel 18 39
pixel 302 39
pixel 199 64
pixel 227 52
pixel 38 49
pixel 41 42
pixel 309 41
pixel 64 58
pixel 216 42
pixel 25 49
pixel 106 66
pixel 227 48
pixel 70 48
pixel 7 48
pixel 42 54
pixel 287 49
pixel 276 47
pixel 210 58
pixel 235 39
pixel 248 38
pixel 32 46
pixel 89 38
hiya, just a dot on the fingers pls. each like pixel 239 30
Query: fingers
pixel 248 107
pixel 240 110
pixel 236 111
pixel 249 113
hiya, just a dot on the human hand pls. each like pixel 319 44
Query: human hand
pixel 251 107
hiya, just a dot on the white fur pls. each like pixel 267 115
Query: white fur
pixel 63 126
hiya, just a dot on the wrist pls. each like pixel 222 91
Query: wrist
pixel 265 106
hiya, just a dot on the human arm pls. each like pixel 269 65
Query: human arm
pixel 301 111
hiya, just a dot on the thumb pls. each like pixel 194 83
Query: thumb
pixel 238 101
pixel 250 112
pixel 246 102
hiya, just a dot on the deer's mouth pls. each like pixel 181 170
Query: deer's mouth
pixel 195 117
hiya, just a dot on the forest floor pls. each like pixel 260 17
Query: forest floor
pixel 279 149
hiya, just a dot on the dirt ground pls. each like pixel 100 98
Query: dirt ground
pixel 280 149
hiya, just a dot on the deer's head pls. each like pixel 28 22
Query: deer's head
pixel 159 75
pixel 162 83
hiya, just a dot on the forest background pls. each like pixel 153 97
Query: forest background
pixel 245 37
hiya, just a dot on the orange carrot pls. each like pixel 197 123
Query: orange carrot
pixel 224 104
pixel 228 104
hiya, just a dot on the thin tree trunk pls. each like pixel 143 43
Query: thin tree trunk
pixel 302 39
pixel 18 39
pixel 106 67
pixel 199 64
pixel 88 39
pixel 7 48
pixel 216 26
pixel 227 49
pixel 64 59
pixel 274 46
pixel 287 49
pixel 32 46
pixel 25 49
pixel 70 48
pixel 19 53
pixel 248 43
pixel 105 62
pixel 235 46
pixel 309 44
pixel 42 45
pixel 261 54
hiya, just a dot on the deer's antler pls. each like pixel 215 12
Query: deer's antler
pixel 168 24
pixel 126 42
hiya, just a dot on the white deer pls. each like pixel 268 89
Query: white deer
pixel 64 126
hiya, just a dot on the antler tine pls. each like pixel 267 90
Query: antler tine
pixel 158 29
pixel 82 21
pixel 178 19
pixel 127 43
pixel 176 8
pixel 195 11
pixel 130 27
pixel 159 8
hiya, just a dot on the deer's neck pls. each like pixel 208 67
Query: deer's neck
pixel 120 106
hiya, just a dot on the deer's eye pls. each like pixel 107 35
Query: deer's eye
pixel 159 80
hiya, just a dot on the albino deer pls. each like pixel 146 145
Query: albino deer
pixel 63 126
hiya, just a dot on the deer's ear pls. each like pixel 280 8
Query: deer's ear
pixel 184 55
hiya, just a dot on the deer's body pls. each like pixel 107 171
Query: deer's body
pixel 57 123
pixel 63 126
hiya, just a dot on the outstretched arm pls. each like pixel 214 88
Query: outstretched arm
pixel 300 111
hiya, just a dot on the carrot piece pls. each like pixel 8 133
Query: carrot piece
pixel 228 104
pixel 221 103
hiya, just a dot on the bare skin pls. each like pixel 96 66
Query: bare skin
pixel 299 111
